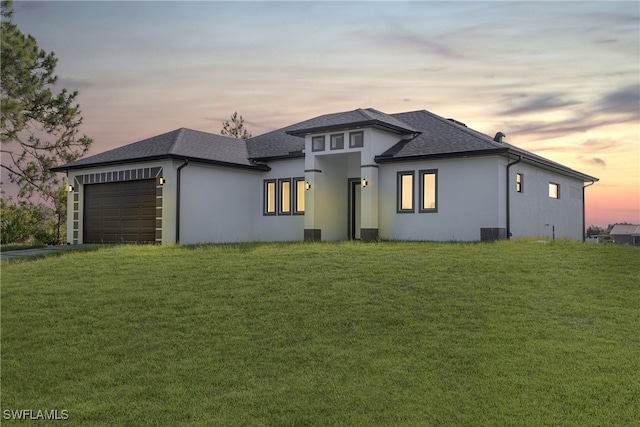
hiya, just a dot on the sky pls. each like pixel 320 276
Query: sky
pixel 560 79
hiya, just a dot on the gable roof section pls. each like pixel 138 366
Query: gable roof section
pixel 178 144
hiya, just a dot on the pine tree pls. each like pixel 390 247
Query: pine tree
pixel 235 127
pixel 39 128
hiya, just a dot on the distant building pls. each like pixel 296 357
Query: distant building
pixel 626 233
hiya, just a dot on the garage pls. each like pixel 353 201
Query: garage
pixel 120 212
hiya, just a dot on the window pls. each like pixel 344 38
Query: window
pixel 298 196
pixel 284 205
pixel 269 197
pixel 519 182
pixel 337 142
pixel 356 139
pixel 429 190
pixel 405 192
pixel 554 190
pixel 317 143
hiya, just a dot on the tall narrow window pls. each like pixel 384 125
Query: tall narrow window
pixel 298 196
pixel 317 143
pixel 337 142
pixel 285 196
pixel 405 192
pixel 519 183
pixel 554 190
pixel 429 190
pixel 356 139
pixel 270 197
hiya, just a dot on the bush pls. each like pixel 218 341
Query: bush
pixel 24 222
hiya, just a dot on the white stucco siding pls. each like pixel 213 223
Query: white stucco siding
pixel 469 198
pixel 276 228
pixel 217 204
pixel 534 213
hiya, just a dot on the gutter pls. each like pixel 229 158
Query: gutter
pixel 509 196
pixel 584 223
pixel 186 162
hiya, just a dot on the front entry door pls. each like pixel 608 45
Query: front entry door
pixel 354 208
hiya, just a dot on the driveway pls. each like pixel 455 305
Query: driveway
pixel 49 250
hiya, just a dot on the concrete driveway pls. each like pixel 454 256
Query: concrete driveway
pixel 49 250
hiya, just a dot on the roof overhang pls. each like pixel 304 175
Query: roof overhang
pixel 254 167
pixel 449 155
pixel 377 124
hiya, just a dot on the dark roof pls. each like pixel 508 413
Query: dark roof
pixel 180 144
pixel 425 135
pixel 350 120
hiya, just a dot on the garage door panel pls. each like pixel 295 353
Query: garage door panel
pixel 120 212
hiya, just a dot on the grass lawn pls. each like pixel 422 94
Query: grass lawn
pixel 505 333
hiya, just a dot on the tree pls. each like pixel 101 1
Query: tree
pixel 235 128
pixel 39 129
pixel 594 230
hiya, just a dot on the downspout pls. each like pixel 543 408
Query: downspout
pixel 509 196
pixel 584 223
pixel 186 162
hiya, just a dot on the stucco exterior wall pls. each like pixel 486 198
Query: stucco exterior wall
pixel 218 204
pixel 534 213
pixel 469 198
pixel 276 228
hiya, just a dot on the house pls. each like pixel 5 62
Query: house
pixel 360 174
pixel 626 233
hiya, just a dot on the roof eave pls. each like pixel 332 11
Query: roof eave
pixel 355 125
pixel 552 166
pixel 254 167
pixel 473 153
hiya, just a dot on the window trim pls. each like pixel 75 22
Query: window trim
pixel 265 201
pixel 295 194
pixel 317 138
pixel 351 144
pixel 519 182
pixel 422 174
pixel 557 196
pixel 281 211
pixel 337 147
pixel 399 188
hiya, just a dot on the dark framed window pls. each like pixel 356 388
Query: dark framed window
pixel 336 141
pixel 405 191
pixel 317 143
pixel 284 196
pixel 554 190
pixel 270 197
pixel 429 190
pixel 299 188
pixel 356 139
pixel 519 182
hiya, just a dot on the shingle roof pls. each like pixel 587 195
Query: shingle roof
pixel 426 135
pixel 351 119
pixel 180 143
pixel 439 136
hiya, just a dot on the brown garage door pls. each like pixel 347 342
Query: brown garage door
pixel 120 212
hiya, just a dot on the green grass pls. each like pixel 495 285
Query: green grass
pixel 507 333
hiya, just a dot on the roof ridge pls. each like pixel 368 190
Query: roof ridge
pixel 177 139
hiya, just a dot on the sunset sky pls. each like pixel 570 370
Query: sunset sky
pixel 560 79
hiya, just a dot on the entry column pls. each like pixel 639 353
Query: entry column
pixel 369 202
